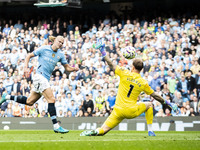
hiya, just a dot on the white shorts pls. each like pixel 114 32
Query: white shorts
pixel 40 83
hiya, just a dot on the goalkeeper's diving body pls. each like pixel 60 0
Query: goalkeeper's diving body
pixel 126 106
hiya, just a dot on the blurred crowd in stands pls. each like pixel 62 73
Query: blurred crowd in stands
pixel 169 47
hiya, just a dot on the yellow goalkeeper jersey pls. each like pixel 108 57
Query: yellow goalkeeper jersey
pixel 130 86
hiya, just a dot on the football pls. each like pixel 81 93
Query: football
pixel 129 52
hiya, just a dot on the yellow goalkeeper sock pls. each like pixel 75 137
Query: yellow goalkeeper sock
pixel 149 115
pixel 100 131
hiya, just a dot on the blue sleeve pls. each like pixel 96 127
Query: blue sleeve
pixel 63 60
pixel 38 51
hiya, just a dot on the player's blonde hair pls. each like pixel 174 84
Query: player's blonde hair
pixel 52 38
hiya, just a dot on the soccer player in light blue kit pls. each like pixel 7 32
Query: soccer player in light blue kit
pixel 48 56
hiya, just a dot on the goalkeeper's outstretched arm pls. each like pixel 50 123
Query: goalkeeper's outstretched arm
pixel 106 58
pixel 109 62
pixel 162 101
pixel 158 98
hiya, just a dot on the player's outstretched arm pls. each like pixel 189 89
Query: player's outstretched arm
pixel 101 47
pixel 158 98
pixel 162 101
pixel 109 62
pixel 27 59
pixel 70 68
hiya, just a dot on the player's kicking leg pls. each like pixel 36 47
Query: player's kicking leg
pixel 31 100
pixel 21 99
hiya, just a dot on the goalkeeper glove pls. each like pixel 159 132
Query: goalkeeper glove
pixel 100 46
pixel 174 107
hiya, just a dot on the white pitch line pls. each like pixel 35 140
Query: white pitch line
pixel 98 140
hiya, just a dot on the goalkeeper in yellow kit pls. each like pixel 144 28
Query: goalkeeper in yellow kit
pixel 126 106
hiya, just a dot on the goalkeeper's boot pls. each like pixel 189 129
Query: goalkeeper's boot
pixel 89 133
pixel 3 98
pixel 151 133
pixel 61 130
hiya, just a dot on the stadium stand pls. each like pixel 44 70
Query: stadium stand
pixel 170 48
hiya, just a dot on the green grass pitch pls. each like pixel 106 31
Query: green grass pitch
pixel 123 140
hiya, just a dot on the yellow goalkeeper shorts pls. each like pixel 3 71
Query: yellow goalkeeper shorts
pixel 120 113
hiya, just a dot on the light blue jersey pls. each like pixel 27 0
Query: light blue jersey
pixel 48 59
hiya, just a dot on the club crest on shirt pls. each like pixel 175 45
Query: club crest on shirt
pixel 58 57
pixel 53 55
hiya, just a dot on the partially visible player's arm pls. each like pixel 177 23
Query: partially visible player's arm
pixel 70 68
pixel 27 59
pixel 111 65
pixel 158 98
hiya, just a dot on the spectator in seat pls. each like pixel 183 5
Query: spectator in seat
pixel 167 112
pixel 68 99
pixel 99 101
pixel 60 113
pixel 88 103
pixel 16 86
pixel 195 68
pixel 183 111
pixel 80 113
pixel 178 98
pixel 192 112
pixel 157 107
pixel 172 83
pixel 73 108
pixel 191 81
pixel 111 101
pixel 81 75
pixel 17 110
pixel 29 46
pixel 77 97
pixel 8 67
pixel 89 111
pixel 160 113
pixel 194 104
pixel 43 114
pixel 155 82
pixel 2 88
pixel 59 104
pixel 184 88
pixel 8 112
pixel 32 111
pixel 197 80
pixel 69 113
pixel 3 109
